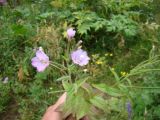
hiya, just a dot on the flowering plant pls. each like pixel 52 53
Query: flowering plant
pixel 86 98
pixel 74 74
pixel 76 80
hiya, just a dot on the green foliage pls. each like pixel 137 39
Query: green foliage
pixel 88 20
pixel 4 93
pixel 122 24
pixel 118 35
pixel 108 90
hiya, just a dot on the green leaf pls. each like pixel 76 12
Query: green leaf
pixel 66 86
pixel 122 24
pixel 107 89
pixel 77 105
pixel 63 78
pixel 25 70
pixel 157 111
pixel 99 102
pixel 45 15
pixel 41 75
pixel 79 83
pixel 82 29
pixel 117 78
pixel 116 104
pixel 82 107
pixel 19 29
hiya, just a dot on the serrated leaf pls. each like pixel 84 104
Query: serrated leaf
pixel 99 24
pixel 82 29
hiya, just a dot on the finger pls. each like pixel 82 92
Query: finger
pixel 62 99
pixel 51 114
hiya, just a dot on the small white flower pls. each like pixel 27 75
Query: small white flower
pixel 85 70
pixel 5 80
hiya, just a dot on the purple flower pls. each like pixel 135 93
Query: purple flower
pixel 129 110
pixel 3 2
pixel 40 61
pixel 80 57
pixel 71 33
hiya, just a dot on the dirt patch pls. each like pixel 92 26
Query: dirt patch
pixel 11 112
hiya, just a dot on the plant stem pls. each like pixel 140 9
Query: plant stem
pixel 140 87
pixel 58 68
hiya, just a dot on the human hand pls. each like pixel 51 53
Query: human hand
pixel 51 113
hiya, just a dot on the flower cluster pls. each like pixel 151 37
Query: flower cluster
pixel 123 73
pixel 41 60
pixel 108 54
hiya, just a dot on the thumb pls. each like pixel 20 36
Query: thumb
pixel 62 99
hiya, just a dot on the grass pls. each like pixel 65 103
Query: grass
pixel 26 25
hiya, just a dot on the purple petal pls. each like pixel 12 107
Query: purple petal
pixel 3 2
pixel 41 61
pixel 38 64
pixel 35 62
pixel 71 33
pixel 80 57
pixel 129 110
pixel 41 67
pixel 41 55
